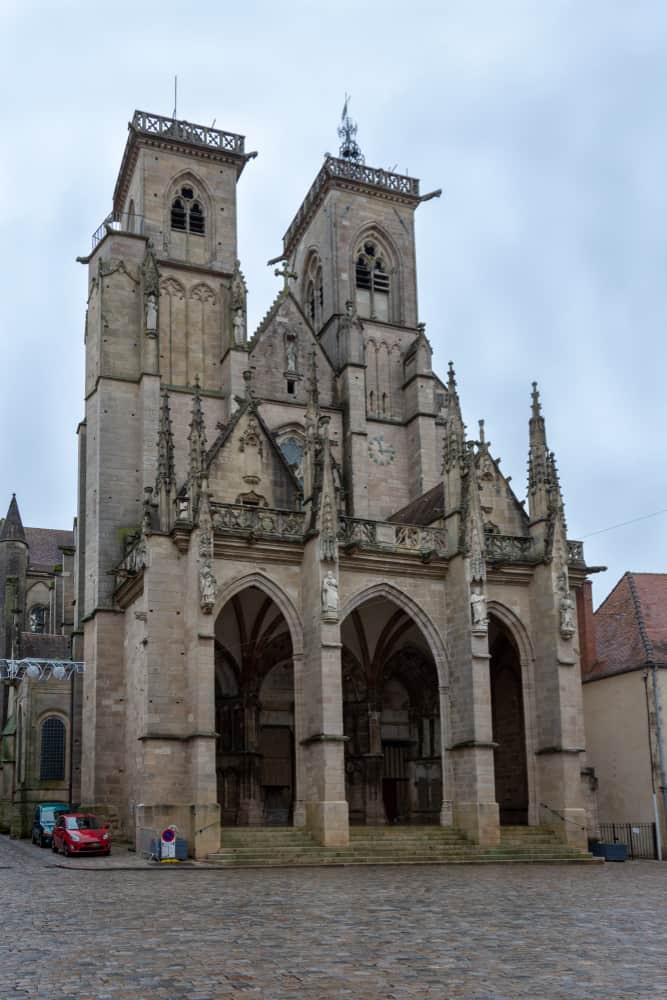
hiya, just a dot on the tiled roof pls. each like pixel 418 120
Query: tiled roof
pixel 44 545
pixel 631 625
pixel 424 510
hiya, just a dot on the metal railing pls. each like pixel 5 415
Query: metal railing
pixel 182 131
pixel 119 222
pixel 639 838
pixel 335 167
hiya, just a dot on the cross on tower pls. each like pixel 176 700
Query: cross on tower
pixel 286 274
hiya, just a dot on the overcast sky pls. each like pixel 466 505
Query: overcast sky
pixel 543 123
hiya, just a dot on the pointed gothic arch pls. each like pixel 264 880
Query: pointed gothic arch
pixel 282 600
pixel 413 610
pixel 375 274
pixel 511 626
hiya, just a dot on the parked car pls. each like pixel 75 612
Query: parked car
pixel 44 820
pixel 80 833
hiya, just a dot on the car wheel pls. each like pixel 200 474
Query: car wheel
pixel 42 842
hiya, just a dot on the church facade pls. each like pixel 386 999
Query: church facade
pixel 303 595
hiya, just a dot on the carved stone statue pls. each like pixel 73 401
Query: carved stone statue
pixel 239 327
pixel 330 595
pixel 568 625
pixel 151 313
pixel 478 609
pixel 207 586
pixel 239 295
pixel 290 349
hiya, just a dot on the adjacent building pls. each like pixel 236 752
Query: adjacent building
pixel 625 695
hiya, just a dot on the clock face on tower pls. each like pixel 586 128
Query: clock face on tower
pixel 380 451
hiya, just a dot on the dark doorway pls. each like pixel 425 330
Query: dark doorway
pixel 390 799
pixel 509 756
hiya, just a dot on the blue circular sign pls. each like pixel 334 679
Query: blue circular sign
pixel 168 836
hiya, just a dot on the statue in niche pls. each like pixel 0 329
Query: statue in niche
pixel 239 314
pixel 290 350
pixel 207 586
pixel 478 609
pixel 151 313
pixel 330 595
pixel 568 625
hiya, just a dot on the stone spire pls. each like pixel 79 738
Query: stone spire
pixel 166 476
pixel 311 423
pixel 453 462
pixel 12 526
pixel 538 462
pixel 197 441
pixel 473 522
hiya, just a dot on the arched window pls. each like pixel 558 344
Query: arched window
pixel 314 291
pixel 37 618
pixel 372 281
pixel 52 750
pixel 187 214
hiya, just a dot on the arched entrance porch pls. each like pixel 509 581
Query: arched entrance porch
pixel 391 717
pixel 254 711
pixel 509 729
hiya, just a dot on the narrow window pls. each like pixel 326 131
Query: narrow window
pixel 196 219
pixel 178 216
pixel 372 281
pixel 52 750
pixel 291 386
pixel 187 214
pixel 371 401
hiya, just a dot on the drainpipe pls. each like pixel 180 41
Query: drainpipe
pixel 656 814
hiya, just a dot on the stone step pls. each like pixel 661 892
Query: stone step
pixel 473 858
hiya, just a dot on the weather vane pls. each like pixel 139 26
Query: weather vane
pixel 347 132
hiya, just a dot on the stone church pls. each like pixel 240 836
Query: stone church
pixel 303 595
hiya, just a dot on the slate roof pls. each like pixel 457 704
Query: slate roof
pixel 424 510
pixel 631 626
pixel 44 545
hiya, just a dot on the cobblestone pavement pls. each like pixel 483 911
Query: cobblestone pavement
pixel 479 933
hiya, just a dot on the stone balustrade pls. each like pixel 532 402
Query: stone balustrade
pixel 386 536
pixel 258 522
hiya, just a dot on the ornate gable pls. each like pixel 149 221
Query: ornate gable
pixel 246 466
pixel 281 354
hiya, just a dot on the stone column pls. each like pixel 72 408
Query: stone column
pixel 299 805
pixel 470 749
pixel 323 744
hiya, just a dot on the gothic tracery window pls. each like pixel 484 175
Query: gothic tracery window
pixel 314 291
pixel 372 282
pixel 187 214
pixel 52 750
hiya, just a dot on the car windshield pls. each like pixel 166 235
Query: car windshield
pixel 82 823
pixel 48 815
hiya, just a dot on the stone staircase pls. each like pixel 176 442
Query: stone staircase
pixel 276 847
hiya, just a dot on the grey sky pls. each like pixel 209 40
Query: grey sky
pixel 544 125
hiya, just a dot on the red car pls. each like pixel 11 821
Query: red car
pixel 80 833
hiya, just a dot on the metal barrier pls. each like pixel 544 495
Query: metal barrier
pixel 639 838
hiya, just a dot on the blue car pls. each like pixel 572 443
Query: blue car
pixel 46 814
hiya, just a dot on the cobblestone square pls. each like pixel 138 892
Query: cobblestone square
pixel 476 932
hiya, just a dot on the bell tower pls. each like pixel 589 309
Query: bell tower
pixel 352 247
